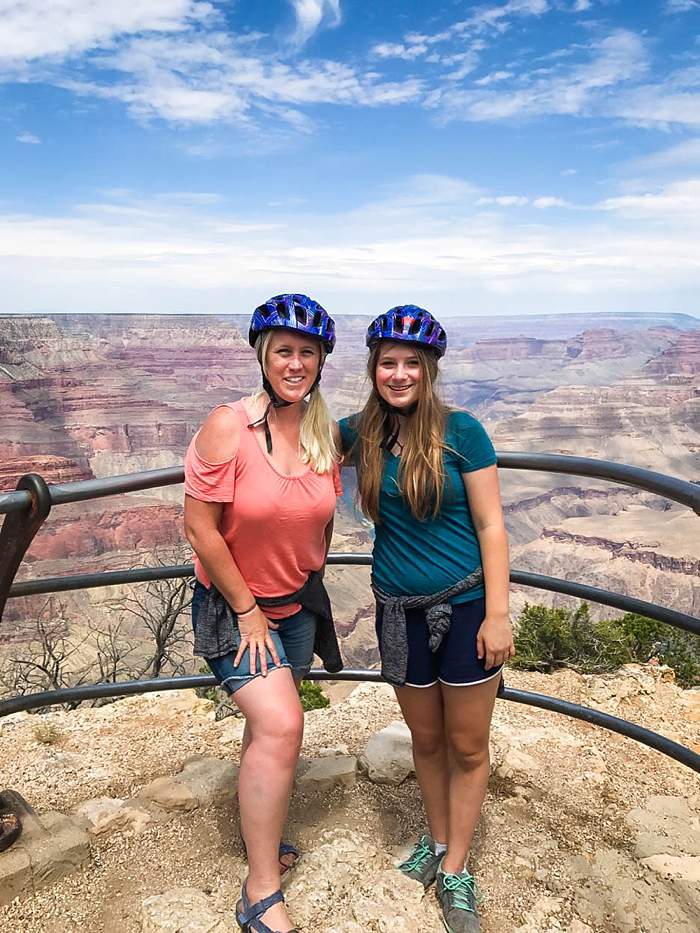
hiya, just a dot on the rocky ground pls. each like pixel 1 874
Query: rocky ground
pixel 583 831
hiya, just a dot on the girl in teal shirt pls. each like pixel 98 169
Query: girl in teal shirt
pixel 427 478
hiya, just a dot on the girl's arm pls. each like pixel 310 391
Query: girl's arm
pixel 217 443
pixel 495 638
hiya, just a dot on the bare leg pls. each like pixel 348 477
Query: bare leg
pixel 467 724
pixel 422 708
pixel 274 723
pixel 289 859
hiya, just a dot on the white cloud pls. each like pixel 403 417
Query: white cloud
pixel 408 52
pixel 679 201
pixel 505 200
pixel 311 15
pixel 28 138
pixel 168 69
pixel 494 77
pixel 681 6
pixel 568 171
pixel 34 29
pixel 576 90
pixel 547 201
pixel 681 155
pixel 426 236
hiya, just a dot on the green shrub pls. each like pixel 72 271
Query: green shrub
pixel 547 639
pixel 312 696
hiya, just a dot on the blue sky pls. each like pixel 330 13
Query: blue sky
pixel 518 156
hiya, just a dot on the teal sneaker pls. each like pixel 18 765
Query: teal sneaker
pixel 422 863
pixel 459 899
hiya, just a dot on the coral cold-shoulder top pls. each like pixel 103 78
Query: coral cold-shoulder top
pixel 274 524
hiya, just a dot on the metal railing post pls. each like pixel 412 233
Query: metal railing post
pixel 18 530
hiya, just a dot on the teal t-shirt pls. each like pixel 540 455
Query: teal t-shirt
pixel 414 558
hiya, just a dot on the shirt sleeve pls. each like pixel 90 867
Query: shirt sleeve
pixel 348 434
pixel 470 442
pixel 208 482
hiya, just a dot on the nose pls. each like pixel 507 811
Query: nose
pixel 400 371
pixel 295 363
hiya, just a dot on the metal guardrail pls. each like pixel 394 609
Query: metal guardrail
pixel 26 509
pixel 594 717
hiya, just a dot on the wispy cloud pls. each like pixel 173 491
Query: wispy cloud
pixel 311 15
pixel 28 138
pixel 679 156
pixel 574 89
pixel 174 61
pixel 681 6
pixel 427 235
pixel 58 29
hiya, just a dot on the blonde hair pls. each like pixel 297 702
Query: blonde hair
pixel 421 473
pixel 316 443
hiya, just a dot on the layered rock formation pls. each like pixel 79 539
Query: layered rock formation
pixel 94 395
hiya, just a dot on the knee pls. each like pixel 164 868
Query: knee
pixel 283 732
pixel 467 754
pixel 427 742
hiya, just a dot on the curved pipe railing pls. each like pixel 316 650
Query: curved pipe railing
pixel 670 487
pixel 594 717
pixel 84 581
pixel 27 507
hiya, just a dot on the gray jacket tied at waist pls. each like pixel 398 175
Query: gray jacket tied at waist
pixel 438 615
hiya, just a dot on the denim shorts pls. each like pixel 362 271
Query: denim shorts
pixel 455 663
pixel 294 641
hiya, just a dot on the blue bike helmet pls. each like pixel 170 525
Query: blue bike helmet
pixel 289 312
pixel 293 312
pixel 411 324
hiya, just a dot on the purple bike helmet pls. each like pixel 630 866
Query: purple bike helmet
pixel 293 312
pixel 409 323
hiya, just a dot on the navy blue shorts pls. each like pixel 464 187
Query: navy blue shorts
pixel 455 662
pixel 294 641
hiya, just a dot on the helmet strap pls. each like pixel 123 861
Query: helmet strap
pixel 276 402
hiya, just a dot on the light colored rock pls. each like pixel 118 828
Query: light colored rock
pixel 182 910
pixel 135 816
pixel 325 773
pixel 577 926
pixel 515 762
pixel 685 867
pixel 170 794
pixel 388 758
pixel 202 782
pixel 538 918
pixel 50 847
pixel 94 810
pixel 232 731
pixel 366 891
pixel 329 752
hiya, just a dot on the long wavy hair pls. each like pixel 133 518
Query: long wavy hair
pixel 316 443
pixel 421 473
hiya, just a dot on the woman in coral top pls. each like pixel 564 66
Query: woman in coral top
pixel 427 478
pixel 261 480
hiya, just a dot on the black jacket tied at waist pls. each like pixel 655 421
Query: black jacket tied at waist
pixel 216 623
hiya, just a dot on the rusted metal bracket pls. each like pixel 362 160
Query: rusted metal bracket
pixel 18 530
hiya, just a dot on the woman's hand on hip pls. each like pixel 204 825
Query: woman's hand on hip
pixel 254 628
pixel 494 641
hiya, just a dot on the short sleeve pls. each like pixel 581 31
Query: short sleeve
pixel 470 442
pixel 348 433
pixel 208 482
